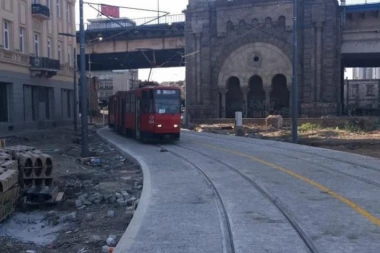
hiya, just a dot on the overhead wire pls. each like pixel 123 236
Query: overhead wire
pixel 128 29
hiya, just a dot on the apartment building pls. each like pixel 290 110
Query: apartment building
pixel 111 82
pixel 36 63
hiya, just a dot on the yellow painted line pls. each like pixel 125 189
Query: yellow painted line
pixel 346 201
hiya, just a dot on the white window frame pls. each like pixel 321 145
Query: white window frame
pixel 6 34
pixel 68 13
pixel 22 39
pixel 59 56
pixel 49 49
pixel 36 43
pixel 59 8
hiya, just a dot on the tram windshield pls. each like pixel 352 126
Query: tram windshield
pixel 167 101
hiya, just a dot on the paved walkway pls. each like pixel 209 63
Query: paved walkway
pixel 215 193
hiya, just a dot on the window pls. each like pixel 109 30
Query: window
pixel 49 49
pixel 3 102
pixel 59 51
pixel 48 3
pixel 22 42
pixel 68 13
pixel 69 52
pixel 128 103
pixel 67 96
pixel 167 101
pixel 6 34
pixel 370 90
pixel 59 8
pixel 37 44
pixel 133 103
pixel 36 1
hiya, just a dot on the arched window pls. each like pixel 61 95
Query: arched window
pixel 281 21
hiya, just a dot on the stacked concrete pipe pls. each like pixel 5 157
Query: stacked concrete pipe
pixel 35 173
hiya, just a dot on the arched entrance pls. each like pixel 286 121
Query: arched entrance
pixel 234 97
pixel 237 67
pixel 256 98
pixel 279 96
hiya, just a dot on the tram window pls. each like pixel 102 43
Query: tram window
pixel 133 102
pixel 145 101
pixel 128 102
pixel 151 102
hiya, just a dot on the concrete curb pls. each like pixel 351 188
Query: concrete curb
pixel 130 234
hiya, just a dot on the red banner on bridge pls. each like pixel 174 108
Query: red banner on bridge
pixel 111 11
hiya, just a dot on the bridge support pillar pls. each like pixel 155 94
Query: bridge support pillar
pixel 222 107
pixel 267 90
pixel 245 90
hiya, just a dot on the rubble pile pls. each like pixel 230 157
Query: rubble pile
pixel 9 187
pixel 27 171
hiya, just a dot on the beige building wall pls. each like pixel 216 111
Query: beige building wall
pixel 36 64
pixel 24 27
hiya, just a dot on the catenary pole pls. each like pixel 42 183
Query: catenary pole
pixel 75 92
pixel 83 85
pixel 295 85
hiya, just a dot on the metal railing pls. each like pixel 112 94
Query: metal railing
pixel 40 9
pixel 44 63
pixel 169 19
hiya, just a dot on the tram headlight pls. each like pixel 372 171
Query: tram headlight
pixel 175 126
pixel 159 126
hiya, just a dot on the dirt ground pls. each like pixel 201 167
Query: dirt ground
pixel 100 197
pixel 348 139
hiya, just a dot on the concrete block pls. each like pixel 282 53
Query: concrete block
pixel 8 178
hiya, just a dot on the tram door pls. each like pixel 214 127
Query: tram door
pixel 138 118
pixel 122 113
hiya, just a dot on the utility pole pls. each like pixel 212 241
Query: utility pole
pixel 294 86
pixel 158 11
pixel 75 92
pixel 83 85
pixel 90 86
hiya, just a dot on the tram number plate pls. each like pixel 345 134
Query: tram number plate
pixel 151 120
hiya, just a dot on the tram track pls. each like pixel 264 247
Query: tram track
pixel 272 199
pixel 228 238
pixel 362 179
pixel 240 140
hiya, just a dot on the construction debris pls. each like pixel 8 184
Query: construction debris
pixel 28 172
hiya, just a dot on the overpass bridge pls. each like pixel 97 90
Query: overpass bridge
pixel 361 35
pixel 144 45
pixel 163 44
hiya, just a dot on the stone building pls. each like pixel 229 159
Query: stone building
pixel 36 63
pixel 240 53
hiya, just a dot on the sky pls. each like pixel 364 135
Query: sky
pixel 171 6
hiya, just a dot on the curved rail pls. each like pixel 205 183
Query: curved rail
pixel 227 223
pixel 275 201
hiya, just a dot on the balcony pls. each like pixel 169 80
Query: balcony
pixel 40 11
pixel 44 67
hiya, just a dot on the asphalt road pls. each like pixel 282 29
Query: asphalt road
pixel 216 193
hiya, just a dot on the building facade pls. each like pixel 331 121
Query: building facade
pixel 240 57
pixel 111 82
pixel 366 73
pixel 36 63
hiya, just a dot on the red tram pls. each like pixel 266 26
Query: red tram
pixel 147 113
